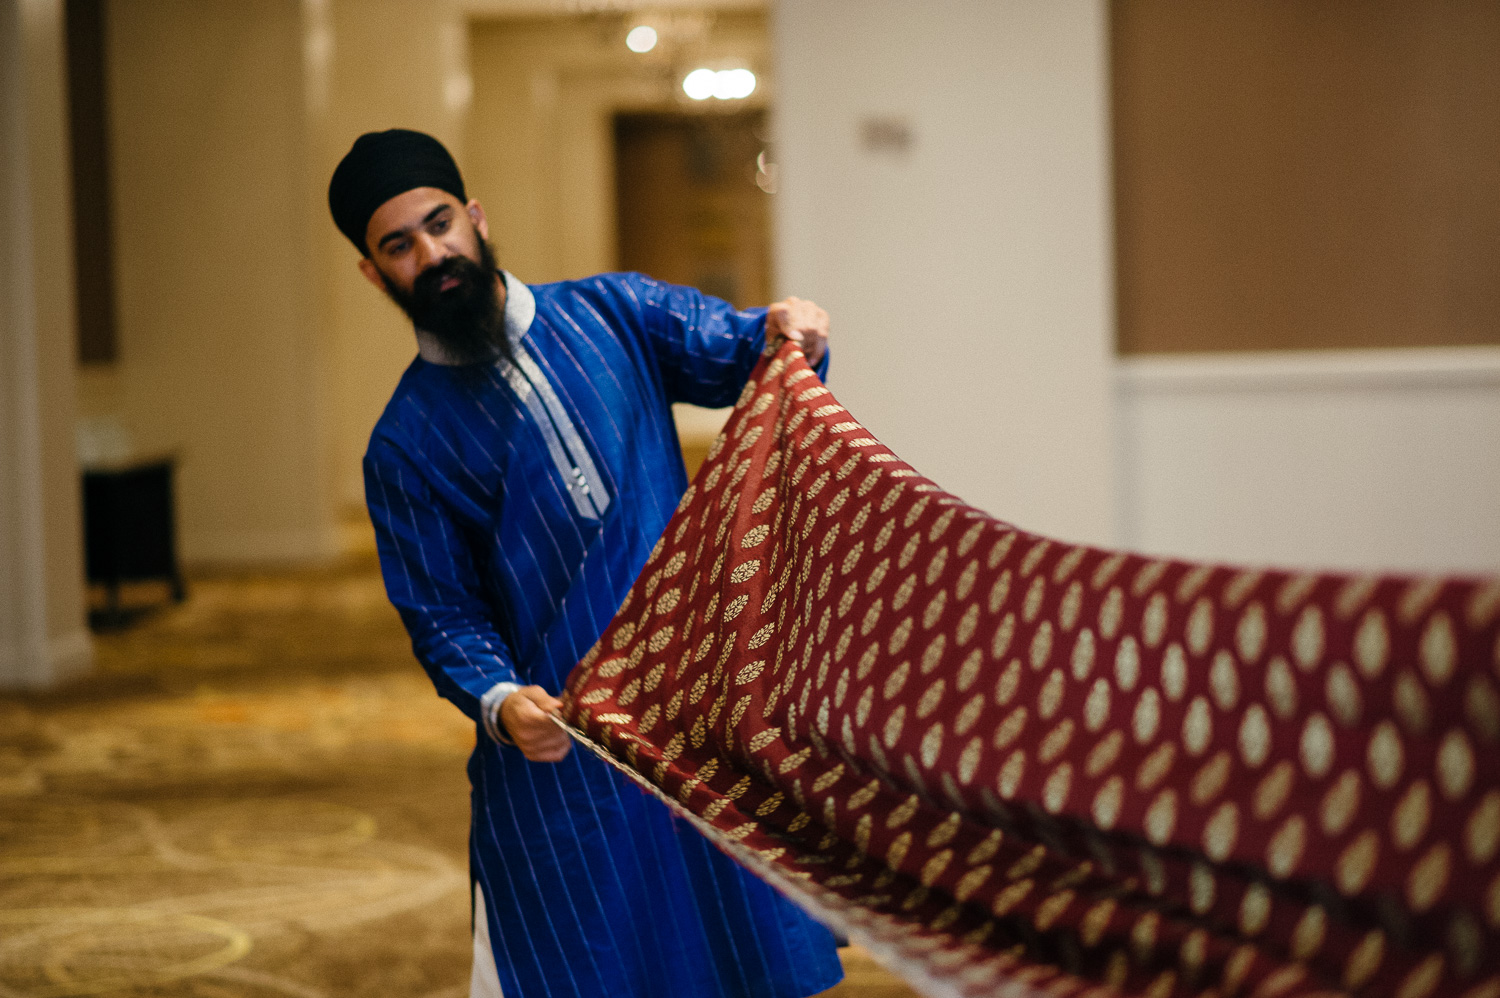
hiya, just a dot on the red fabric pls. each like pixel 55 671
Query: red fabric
pixel 1003 761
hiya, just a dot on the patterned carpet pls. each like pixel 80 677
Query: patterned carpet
pixel 257 794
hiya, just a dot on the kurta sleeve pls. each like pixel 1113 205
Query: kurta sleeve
pixel 704 346
pixel 431 579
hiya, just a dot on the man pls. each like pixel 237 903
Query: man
pixel 518 480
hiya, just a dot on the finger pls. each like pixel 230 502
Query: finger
pixel 544 701
pixel 527 720
pixel 524 711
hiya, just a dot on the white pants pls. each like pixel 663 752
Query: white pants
pixel 485 980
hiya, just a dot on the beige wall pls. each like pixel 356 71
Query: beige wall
pixel 42 635
pixel 969 277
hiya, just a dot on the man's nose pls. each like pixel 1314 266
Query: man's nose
pixel 429 251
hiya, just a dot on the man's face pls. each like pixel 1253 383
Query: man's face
pixel 414 231
pixel 427 252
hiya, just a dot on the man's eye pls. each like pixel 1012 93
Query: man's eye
pixel 441 225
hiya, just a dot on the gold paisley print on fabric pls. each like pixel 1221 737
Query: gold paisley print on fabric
pixel 1015 764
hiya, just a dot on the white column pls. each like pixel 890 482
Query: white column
pixel 946 195
pixel 43 638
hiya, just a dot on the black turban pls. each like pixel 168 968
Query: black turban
pixel 382 165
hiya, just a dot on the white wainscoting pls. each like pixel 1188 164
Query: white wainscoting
pixel 1368 459
pixel 219 548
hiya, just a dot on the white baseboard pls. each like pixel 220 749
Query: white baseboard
pixel 66 657
pixel 1444 367
pixel 10 667
pixel 70 655
pixel 1359 460
pixel 231 548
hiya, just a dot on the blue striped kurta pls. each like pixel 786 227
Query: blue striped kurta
pixel 514 507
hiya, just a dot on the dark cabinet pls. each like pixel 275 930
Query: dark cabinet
pixel 129 528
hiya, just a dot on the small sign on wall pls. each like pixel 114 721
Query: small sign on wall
pixel 886 134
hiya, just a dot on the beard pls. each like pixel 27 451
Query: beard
pixel 467 320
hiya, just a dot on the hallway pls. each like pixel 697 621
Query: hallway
pixel 256 794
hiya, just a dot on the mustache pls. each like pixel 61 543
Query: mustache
pixel 427 287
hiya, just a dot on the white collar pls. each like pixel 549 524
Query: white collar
pixel 520 309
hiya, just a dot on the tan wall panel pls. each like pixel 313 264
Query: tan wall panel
pixel 1307 175
pixel 220 359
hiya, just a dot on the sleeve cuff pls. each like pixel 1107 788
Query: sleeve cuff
pixel 489 711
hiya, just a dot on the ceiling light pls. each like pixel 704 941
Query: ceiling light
pixel 699 84
pixel 642 38
pixel 726 84
pixel 734 84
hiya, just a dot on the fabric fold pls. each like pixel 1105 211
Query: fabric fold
pixel 1006 763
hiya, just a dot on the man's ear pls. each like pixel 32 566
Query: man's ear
pixel 372 273
pixel 476 215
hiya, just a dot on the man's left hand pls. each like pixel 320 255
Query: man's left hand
pixel 527 717
pixel 802 322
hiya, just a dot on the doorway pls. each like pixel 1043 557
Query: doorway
pixel 692 201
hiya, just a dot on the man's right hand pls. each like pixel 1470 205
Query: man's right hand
pixel 526 714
